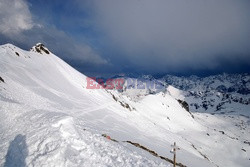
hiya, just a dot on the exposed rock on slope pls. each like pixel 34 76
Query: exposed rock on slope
pixel 40 48
pixel 1 79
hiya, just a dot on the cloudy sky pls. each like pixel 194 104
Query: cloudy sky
pixel 135 36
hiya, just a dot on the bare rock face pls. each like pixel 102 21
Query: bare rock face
pixel 185 105
pixel 40 48
pixel 1 79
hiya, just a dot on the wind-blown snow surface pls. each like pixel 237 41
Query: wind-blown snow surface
pixel 49 118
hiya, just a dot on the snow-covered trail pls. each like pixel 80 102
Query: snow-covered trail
pixel 59 142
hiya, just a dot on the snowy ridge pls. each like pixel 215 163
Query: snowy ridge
pixel 53 120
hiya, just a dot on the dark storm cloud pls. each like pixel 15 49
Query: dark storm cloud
pixel 19 27
pixel 150 36
pixel 175 35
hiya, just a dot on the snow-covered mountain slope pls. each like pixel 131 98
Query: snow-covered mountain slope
pixel 49 118
pixel 228 113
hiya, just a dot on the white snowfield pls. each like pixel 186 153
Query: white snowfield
pixel 49 118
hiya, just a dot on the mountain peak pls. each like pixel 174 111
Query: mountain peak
pixel 40 48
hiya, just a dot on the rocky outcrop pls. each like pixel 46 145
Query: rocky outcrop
pixel 185 105
pixel 1 79
pixel 40 48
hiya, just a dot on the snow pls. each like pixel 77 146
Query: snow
pixel 49 118
pixel 176 93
